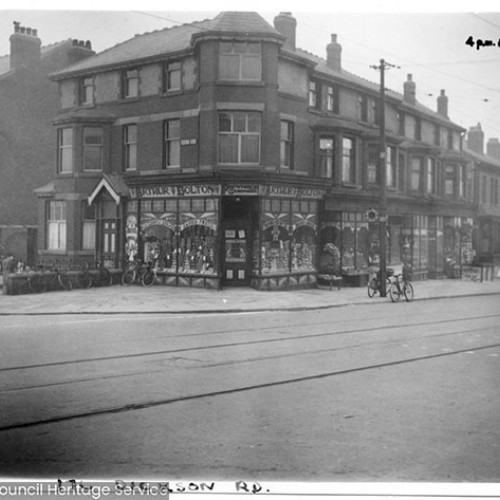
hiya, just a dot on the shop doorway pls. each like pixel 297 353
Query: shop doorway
pixel 238 214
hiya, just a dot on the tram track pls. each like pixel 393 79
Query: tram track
pixel 240 389
pixel 246 343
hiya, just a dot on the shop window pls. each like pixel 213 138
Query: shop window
pixel 88 226
pixel 239 137
pixel 172 76
pixel 65 150
pixel 172 143
pixel 87 91
pixel 130 81
pixel 348 160
pixel 240 61
pixel 130 146
pixel 449 180
pixel 56 225
pixel 286 144
pixel 326 157
pixel 416 174
pixel 92 148
pixel 431 176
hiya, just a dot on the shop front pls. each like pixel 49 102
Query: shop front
pixel 214 235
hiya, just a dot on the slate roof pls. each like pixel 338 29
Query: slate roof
pixel 173 39
pixel 486 159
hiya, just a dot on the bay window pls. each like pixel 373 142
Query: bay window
pixel 449 180
pixel 431 176
pixel 416 174
pixel 65 150
pixel 391 167
pixel 239 137
pixel 348 160
pixel 326 156
pixel 240 61
pixel 56 225
pixel 92 148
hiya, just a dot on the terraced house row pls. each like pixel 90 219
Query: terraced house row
pixel 229 156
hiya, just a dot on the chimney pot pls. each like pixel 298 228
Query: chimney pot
pixel 88 44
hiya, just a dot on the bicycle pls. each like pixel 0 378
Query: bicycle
pixel 401 286
pixel 49 278
pixel 374 282
pixel 139 272
pixel 86 279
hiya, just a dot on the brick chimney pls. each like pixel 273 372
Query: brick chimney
pixel 79 50
pixel 410 90
pixel 24 47
pixel 333 54
pixel 286 24
pixel 493 148
pixel 442 104
pixel 475 139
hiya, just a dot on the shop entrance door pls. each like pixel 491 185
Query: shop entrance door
pixel 236 258
pixel 108 243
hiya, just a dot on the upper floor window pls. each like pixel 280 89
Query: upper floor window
pixel 131 83
pixel 372 164
pixel 484 187
pixel 172 76
pixel 172 143
pixel 314 101
pixel 239 137
pixel 92 148
pixel 240 61
pixel 431 176
pixel 331 99
pixel 463 181
pixel 65 150
pixel 450 175
pixel 130 146
pixel 363 108
pixel 326 156
pixel 416 174
pixel 286 144
pixel 348 160
pixel 391 167
pixel 87 91
pixel 56 225
pixel 437 135
pixel 401 123
pixel 418 129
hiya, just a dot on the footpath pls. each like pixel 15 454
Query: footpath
pixel 118 299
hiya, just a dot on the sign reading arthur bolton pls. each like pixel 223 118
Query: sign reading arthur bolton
pixel 187 190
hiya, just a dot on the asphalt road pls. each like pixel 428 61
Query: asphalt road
pixel 405 392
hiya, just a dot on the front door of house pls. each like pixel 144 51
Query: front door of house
pixel 236 258
pixel 108 242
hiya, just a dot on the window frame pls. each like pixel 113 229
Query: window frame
pixel 391 167
pixel 169 68
pixel 87 91
pixel 58 222
pixel 170 142
pixel 240 134
pixel 350 167
pixel 129 146
pixel 88 147
pixel 449 179
pixel 287 144
pixel 242 59
pixel 129 76
pixel 432 177
pixel 419 171
pixel 314 100
pixel 61 151
pixel 326 157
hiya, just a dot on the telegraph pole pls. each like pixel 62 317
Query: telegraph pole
pixel 383 180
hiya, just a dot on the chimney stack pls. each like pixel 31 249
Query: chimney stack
pixel 24 47
pixel 333 54
pixel 475 139
pixel 410 90
pixel 493 148
pixel 80 49
pixel 286 24
pixel 442 104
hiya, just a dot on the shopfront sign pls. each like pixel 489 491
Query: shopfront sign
pixel 185 191
pixel 241 190
pixel 291 192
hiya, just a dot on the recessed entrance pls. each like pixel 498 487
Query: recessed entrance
pixel 237 219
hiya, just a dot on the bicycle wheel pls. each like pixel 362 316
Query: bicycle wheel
pixel 148 278
pixel 64 281
pixel 408 292
pixel 83 280
pixel 372 287
pixel 105 277
pixel 34 283
pixel 394 292
pixel 128 277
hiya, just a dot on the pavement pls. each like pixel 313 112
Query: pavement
pixel 160 299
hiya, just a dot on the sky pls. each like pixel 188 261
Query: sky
pixel 428 42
